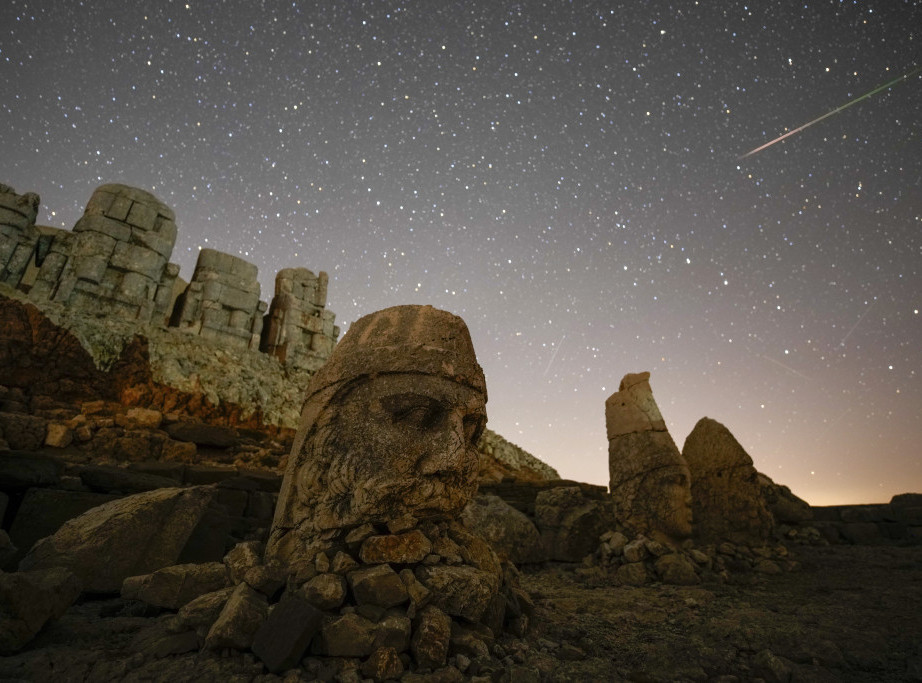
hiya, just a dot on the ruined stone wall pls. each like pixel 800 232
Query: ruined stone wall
pixel 115 264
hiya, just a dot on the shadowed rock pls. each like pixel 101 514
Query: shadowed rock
pixel 649 478
pixel 727 498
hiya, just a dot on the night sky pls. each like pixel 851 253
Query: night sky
pixel 564 176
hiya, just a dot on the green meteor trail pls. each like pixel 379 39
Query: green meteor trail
pixel 834 111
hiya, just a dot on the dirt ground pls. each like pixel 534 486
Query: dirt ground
pixel 850 613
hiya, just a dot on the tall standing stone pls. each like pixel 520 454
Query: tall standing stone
pixel 649 478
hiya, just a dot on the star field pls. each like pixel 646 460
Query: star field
pixel 567 177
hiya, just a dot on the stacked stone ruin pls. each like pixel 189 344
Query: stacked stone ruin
pixel 116 263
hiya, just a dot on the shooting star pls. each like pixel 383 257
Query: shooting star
pixel 785 366
pixel 834 111
pixel 556 351
pixel 855 326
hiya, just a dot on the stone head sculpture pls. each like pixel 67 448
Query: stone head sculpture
pixel 649 479
pixel 389 429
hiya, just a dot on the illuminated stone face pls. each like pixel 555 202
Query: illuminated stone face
pixel 389 430
pixel 665 497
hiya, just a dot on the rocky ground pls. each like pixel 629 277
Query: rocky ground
pixel 850 613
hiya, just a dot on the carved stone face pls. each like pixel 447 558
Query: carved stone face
pixel 395 445
pixel 389 430
pixel 666 496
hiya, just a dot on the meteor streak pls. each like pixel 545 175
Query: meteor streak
pixel 834 111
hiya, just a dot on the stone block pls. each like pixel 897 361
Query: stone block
pixel 239 620
pixel 462 591
pixel 29 599
pixel 99 203
pixel 114 230
pixel 202 434
pixel 431 638
pixel 377 585
pixel 119 208
pixel 406 548
pixel 108 479
pixel 284 636
pixel 138 259
pixel 141 216
pixel 350 635
pixel 174 586
pixel 394 631
pixel 325 591
pixel 137 287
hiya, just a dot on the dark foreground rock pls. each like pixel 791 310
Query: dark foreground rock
pixel 852 613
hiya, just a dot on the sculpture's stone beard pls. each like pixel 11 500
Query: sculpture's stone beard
pixel 384 448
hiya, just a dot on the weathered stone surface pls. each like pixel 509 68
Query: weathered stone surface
pixel 241 558
pixel 389 428
pixel 29 599
pixel 383 664
pixel 570 523
pixel 675 569
pixel 283 638
pixel 511 534
pixel 325 591
pixel 405 548
pixel 159 641
pixel 633 574
pixel 350 635
pixel 461 591
pixel 174 586
pixel 393 631
pixel 649 480
pixel 43 510
pixel 241 617
pixel 126 537
pixel 726 496
pixel 22 432
pixel 431 636
pixel 419 594
pixel 377 585
pixel 199 614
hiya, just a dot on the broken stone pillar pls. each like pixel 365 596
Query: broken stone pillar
pixel 650 482
pixel 222 302
pixel 116 259
pixel 298 330
pixel 18 235
pixel 727 499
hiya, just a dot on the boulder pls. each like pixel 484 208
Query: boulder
pixel 511 534
pixel 30 599
pixel 786 508
pixel 325 591
pixel 404 548
pixel 377 585
pixel 173 587
pixel 461 591
pixel 283 637
pixel 239 620
pixel 350 635
pixel 126 537
pixel 431 638
pixel 676 569
pixel 727 500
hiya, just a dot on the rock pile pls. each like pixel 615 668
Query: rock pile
pixel 640 560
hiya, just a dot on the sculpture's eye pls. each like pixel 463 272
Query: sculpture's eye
pixel 473 428
pixel 421 412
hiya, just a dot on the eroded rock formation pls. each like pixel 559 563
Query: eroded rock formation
pixel 649 478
